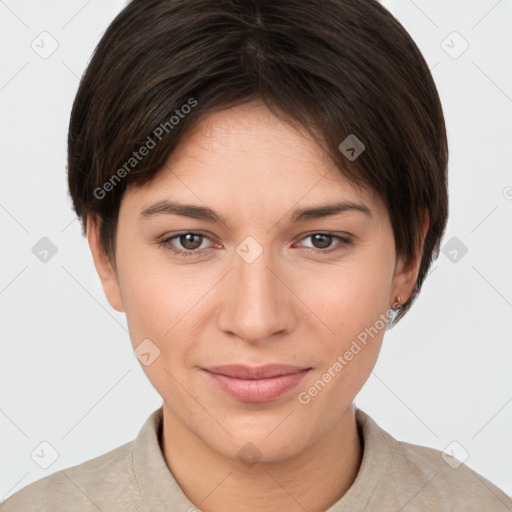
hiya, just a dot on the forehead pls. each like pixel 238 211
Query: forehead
pixel 250 138
pixel 245 156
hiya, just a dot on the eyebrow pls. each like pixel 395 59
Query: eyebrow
pixel 204 213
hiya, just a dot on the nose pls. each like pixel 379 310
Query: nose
pixel 256 302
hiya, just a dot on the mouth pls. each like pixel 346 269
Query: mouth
pixel 256 384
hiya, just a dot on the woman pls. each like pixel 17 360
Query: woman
pixel 263 186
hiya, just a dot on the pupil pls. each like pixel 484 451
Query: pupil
pixel 188 242
pixel 326 240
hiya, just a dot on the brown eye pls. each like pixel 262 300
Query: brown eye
pixel 321 241
pixel 187 241
pixel 185 244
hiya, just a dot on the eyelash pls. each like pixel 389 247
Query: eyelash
pixel 166 244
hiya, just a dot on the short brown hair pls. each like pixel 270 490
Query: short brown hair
pixel 336 67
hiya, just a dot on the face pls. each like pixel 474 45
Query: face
pixel 257 286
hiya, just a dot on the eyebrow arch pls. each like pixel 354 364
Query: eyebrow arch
pixel 326 210
pixel 185 210
pixel 204 213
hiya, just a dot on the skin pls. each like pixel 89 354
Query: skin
pixel 290 305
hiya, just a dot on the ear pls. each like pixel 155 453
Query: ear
pixel 104 267
pixel 406 273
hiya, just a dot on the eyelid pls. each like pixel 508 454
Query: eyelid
pixel 344 240
pixel 165 241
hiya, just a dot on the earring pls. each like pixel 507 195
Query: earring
pixel 398 303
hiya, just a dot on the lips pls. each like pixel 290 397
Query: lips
pixel 240 371
pixel 255 384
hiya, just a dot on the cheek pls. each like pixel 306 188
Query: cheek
pixel 165 308
pixel 351 295
pixel 354 308
pixel 333 388
pixel 352 303
pixel 162 301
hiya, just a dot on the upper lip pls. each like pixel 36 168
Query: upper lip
pixel 241 371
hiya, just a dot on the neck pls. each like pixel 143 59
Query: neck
pixel 312 480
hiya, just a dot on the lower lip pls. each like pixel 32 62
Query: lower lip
pixel 256 390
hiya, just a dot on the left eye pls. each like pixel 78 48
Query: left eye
pixel 323 241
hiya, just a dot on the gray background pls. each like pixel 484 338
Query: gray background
pixel 68 374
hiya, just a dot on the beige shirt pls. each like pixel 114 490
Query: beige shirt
pixel 394 476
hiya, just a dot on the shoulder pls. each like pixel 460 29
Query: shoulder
pixel 420 478
pixel 453 484
pixel 90 486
